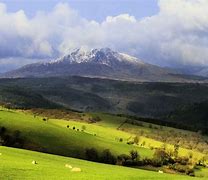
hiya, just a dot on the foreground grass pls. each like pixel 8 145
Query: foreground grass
pixel 17 164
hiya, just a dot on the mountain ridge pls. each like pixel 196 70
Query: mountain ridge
pixel 103 63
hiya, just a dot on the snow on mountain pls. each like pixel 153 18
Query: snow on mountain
pixel 101 56
pixel 100 63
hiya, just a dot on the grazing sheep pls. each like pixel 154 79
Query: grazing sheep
pixel 34 162
pixel 160 171
pixel 68 166
pixel 75 169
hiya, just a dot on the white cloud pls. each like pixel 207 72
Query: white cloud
pixel 177 35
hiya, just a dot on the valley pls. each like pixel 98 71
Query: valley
pixel 180 105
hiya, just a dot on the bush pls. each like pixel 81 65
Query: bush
pixel 83 128
pixel 136 140
pixel 2 130
pixel 91 154
pixel 183 169
pixel 130 142
pixel 107 157
pixel 121 159
pixel 182 160
pixel 163 157
pixel 134 155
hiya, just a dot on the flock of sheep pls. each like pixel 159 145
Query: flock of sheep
pixel 73 169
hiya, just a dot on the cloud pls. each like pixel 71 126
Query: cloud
pixel 176 36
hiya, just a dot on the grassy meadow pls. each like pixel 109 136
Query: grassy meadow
pixel 71 137
pixel 17 164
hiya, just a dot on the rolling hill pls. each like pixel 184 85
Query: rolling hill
pixel 17 164
pixel 56 136
pixel 159 101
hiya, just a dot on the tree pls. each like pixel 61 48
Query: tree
pixel 2 130
pixel 176 149
pixel 107 157
pixel 91 154
pixel 134 155
pixel 83 128
pixel 163 157
pixel 136 140
pixel 143 143
pixel 122 159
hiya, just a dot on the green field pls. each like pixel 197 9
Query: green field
pixel 17 164
pixel 54 137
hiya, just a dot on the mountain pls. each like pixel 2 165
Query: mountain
pixel 194 70
pixel 203 72
pixel 102 63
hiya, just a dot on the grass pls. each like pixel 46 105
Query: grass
pixel 56 139
pixel 133 129
pixel 17 164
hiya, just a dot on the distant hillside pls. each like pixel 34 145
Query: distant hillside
pixel 195 115
pixel 152 100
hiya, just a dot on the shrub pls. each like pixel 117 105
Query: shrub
pixel 134 155
pixel 143 143
pixel 83 128
pixel 163 157
pixel 176 149
pixel 136 140
pixel 2 130
pixel 182 160
pixel 91 154
pixel 183 169
pixel 107 157
pixel 122 159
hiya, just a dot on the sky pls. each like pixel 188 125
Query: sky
pixel 171 33
pixel 90 9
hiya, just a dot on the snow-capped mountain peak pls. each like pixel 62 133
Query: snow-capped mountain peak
pixel 100 56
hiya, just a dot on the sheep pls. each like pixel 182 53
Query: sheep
pixel 68 166
pixel 160 171
pixel 75 169
pixel 34 162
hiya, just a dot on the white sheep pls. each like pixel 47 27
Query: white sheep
pixel 75 169
pixel 68 166
pixel 34 162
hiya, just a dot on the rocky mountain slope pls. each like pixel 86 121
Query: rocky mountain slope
pixel 102 63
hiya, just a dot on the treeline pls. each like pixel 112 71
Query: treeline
pixel 161 158
pixel 11 139
pixel 162 122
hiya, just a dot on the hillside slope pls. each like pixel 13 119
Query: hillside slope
pixel 45 136
pixel 154 100
pixel 17 164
